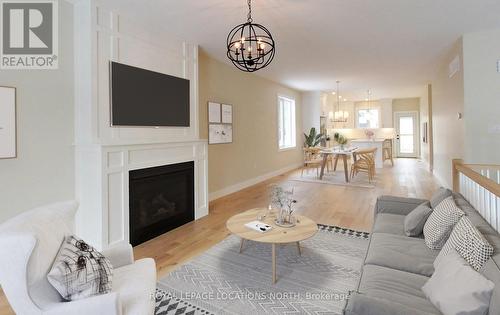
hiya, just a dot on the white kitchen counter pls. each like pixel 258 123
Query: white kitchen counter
pixel 375 143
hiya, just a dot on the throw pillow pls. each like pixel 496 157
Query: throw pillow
pixel 440 223
pixel 439 196
pixel 455 288
pixel 79 271
pixel 415 220
pixel 469 243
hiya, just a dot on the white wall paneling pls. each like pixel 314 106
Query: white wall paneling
pixel 104 192
pixel 106 154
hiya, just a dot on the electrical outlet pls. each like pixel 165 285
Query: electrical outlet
pixel 498 66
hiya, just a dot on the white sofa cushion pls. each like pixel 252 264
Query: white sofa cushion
pixel 136 285
pixel 457 289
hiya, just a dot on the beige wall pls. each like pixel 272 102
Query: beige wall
pixel 406 104
pixel 44 170
pixel 424 118
pixel 254 151
pixel 481 97
pixel 447 102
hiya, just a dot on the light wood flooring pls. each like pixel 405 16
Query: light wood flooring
pixel 344 206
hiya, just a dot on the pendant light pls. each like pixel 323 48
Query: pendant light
pixel 340 115
pixel 250 46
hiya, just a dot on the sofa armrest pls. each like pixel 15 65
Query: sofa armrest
pixel 397 205
pixel 360 304
pixel 105 304
pixel 119 255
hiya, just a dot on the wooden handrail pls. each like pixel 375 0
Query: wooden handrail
pixel 459 167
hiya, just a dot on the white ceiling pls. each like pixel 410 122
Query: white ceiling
pixel 389 46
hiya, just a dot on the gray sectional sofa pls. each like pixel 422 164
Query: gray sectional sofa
pixel 397 266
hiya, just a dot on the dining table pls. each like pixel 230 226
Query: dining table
pixel 336 152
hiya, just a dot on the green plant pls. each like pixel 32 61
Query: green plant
pixel 313 139
pixel 340 139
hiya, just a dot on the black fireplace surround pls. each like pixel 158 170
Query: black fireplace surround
pixel 161 199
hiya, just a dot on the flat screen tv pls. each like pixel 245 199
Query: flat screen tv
pixel 141 97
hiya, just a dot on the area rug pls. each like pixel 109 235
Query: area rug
pixel 223 281
pixel 335 178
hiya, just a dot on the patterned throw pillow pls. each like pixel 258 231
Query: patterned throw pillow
pixel 440 223
pixel 79 271
pixel 469 243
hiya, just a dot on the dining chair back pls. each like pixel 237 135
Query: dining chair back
pixel 364 161
pixel 312 159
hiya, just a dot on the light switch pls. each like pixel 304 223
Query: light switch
pixel 498 66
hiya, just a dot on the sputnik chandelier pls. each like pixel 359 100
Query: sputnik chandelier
pixel 250 46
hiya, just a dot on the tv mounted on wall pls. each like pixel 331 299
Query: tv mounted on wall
pixel 146 98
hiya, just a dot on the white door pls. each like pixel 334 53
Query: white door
pixel 406 134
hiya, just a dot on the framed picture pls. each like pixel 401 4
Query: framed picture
pixel 8 145
pixel 227 114
pixel 214 112
pixel 220 133
pixel 220 123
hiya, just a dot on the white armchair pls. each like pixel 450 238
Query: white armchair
pixel 28 246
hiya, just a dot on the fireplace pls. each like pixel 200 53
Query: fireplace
pixel 161 199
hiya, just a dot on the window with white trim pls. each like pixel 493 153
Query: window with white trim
pixel 367 118
pixel 286 123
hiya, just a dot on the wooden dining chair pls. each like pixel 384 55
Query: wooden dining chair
pixel 312 159
pixel 364 161
pixel 387 151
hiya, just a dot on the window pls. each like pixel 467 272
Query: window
pixel 286 122
pixel 367 118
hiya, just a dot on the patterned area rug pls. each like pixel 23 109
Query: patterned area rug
pixel 223 281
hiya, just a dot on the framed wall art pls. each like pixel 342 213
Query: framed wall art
pixel 8 143
pixel 220 123
pixel 214 115
pixel 227 114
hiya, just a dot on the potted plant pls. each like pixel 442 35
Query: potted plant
pixel 340 139
pixel 283 201
pixel 313 139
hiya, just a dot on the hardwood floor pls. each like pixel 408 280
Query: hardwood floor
pixel 343 206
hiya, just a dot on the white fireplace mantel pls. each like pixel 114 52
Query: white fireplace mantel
pixel 105 154
pixel 103 217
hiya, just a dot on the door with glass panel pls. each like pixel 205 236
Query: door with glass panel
pixel 406 124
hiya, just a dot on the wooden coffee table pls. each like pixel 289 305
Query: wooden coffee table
pixel 304 229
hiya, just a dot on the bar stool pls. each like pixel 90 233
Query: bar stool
pixel 387 151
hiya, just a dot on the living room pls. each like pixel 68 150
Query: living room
pixel 147 170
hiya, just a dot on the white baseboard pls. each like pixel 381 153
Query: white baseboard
pixel 250 182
